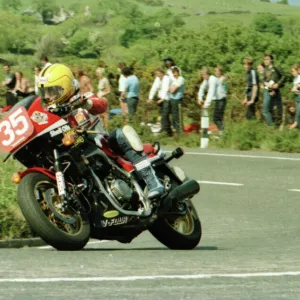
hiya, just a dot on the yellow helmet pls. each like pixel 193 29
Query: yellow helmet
pixel 56 84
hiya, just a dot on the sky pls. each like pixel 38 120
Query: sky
pixel 291 2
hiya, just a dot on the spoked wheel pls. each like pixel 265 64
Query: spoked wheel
pixel 184 224
pixel 42 207
pixel 179 231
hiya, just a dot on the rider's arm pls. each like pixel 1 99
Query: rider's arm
pixel 96 105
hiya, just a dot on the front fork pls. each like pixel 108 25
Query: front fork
pixel 60 179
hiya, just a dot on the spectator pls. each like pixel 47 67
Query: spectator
pixel 22 85
pixel 37 71
pixel 9 83
pixel 161 87
pixel 176 99
pixel 45 62
pixel 169 63
pixel 211 85
pixel 131 92
pixel 103 91
pixel 220 104
pixel 252 89
pixel 273 80
pixel 121 89
pixel 295 71
pixel 84 82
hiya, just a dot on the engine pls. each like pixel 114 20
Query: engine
pixel 121 190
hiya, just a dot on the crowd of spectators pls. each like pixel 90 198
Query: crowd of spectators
pixel 263 85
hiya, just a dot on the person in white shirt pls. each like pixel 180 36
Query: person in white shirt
pixel 161 87
pixel 295 71
pixel 211 85
pixel 121 89
pixel 220 103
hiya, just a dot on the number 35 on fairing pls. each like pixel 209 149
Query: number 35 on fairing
pixel 15 129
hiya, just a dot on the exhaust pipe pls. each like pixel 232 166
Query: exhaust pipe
pixel 186 190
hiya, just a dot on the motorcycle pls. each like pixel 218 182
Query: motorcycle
pixel 76 188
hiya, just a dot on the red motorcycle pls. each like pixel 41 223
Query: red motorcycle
pixel 75 188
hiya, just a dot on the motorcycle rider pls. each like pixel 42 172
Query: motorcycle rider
pixel 58 86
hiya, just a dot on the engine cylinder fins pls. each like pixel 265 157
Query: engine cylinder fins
pixel 121 190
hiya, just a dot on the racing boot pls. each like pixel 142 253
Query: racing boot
pixel 146 172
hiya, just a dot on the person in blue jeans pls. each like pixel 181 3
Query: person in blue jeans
pixel 131 92
pixel 295 71
pixel 273 79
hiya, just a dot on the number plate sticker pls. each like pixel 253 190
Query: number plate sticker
pixel 15 128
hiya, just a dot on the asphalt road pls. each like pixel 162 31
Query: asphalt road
pixel 249 207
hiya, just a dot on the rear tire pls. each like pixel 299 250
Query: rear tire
pixel 181 233
pixel 51 229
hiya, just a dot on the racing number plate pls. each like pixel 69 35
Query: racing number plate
pixel 15 128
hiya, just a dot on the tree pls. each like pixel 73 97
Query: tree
pixel 268 23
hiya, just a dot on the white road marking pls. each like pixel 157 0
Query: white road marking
pixel 154 277
pixel 220 183
pixel 89 243
pixel 242 156
pixel 294 190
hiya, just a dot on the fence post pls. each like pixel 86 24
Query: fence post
pixel 204 129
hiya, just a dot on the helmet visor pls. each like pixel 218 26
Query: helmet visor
pixel 51 93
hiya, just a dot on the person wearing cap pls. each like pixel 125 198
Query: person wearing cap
pixel 176 98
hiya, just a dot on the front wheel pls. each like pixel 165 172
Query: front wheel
pixel 32 196
pixel 179 232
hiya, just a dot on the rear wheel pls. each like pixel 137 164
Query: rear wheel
pixel 41 207
pixel 179 232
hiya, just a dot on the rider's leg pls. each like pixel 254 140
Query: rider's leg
pixel 140 161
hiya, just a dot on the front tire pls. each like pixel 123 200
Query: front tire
pixel 60 235
pixel 181 233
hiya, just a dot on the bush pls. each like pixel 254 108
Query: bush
pixel 244 136
pixel 287 141
pixel 268 23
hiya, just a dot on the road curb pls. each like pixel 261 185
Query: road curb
pixel 19 243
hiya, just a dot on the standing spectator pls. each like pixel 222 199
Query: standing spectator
pixel 9 83
pixel 273 80
pixel 131 92
pixel 103 91
pixel 169 63
pixel 22 85
pixel 295 71
pixel 252 89
pixel 45 62
pixel 211 84
pixel 121 88
pixel 85 83
pixel 161 87
pixel 220 103
pixel 176 99
pixel 36 71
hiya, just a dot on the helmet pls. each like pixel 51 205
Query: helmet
pixel 56 84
